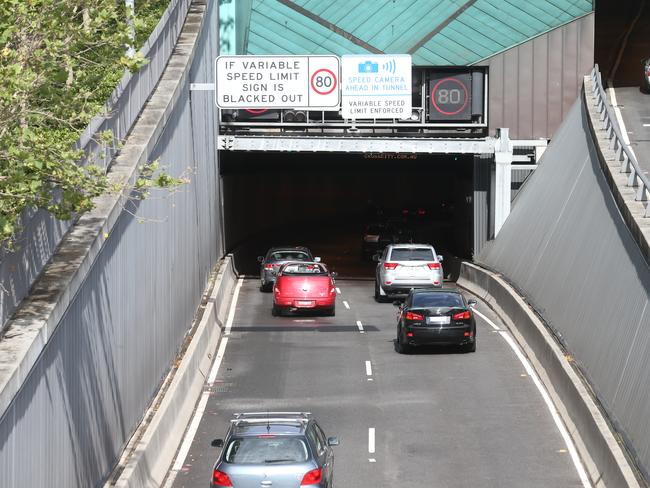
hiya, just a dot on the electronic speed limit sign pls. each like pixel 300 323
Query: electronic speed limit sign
pixel 450 97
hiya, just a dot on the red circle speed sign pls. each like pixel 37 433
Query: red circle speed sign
pixel 323 81
pixel 450 96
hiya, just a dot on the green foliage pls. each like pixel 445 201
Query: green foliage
pixel 59 62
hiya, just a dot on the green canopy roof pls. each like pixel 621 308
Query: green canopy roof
pixel 434 32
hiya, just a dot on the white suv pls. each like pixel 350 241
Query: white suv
pixel 401 267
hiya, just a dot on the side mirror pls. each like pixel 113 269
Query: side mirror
pixel 334 274
pixel 472 303
pixel 440 258
pixel 333 441
pixel 260 259
pixel 317 259
pixel 217 443
pixel 375 258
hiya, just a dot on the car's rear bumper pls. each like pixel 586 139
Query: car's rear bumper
pixel 403 287
pixel 304 303
pixel 440 335
pixel 268 277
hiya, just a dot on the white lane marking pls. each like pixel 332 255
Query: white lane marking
pixel 371 440
pixel 368 368
pixel 338 290
pixel 372 460
pixel 619 119
pixel 492 324
pixel 360 325
pixel 577 462
pixel 646 125
pixel 346 304
pixel 205 396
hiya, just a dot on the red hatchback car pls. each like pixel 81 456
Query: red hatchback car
pixel 304 286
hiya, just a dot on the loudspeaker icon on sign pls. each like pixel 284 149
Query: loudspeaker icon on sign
pixel 389 66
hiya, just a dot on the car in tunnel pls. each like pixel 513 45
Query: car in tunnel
pixel 304 286
pixel 645 82
pixel 276 257
pixel 274 449
pixel 401 267
pixel 435 317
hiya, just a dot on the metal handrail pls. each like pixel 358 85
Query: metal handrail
pixel 629 164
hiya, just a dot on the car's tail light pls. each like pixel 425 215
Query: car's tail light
pixel 268 266
pixel 433 265
pixel 219 478
pixel 421 211
pixel 312 477
pixel 276 290
pixel 462 315
pixel 390 265
pixel 413 316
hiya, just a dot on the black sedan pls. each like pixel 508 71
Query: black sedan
pixel 441 317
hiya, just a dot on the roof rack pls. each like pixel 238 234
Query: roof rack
pixel 266 415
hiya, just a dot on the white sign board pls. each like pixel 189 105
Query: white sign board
pixel 261 82
pixel 376 86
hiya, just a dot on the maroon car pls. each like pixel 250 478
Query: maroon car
pixel 304 286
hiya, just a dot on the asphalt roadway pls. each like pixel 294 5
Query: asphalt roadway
pixel 442 418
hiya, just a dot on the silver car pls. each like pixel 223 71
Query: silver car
pixel 274 449
pixel 401 267
pixel 276 257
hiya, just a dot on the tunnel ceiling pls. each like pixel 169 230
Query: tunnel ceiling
pixel 434 32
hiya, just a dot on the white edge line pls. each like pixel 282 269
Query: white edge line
pixel 368 368
pixel 346 304
pixel 547 399
pixel 200 409
pixel 371 440
pixel 619 119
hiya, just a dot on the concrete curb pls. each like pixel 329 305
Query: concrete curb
pixel 604 458
pixel 150 452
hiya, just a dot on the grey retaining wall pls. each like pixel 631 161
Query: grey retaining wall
pixel 88 349
pixel 567 249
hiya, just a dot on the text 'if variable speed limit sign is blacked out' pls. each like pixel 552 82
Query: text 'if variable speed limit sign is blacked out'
pixel 260 82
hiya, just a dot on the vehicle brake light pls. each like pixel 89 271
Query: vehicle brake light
pixel 421 211
pixel 266 436
pixel 413 316
pixel 268 266
pixel 219 478
pixel 462 315
pixel 390 265
pixel 312 477
pixel 433 265
pixel 409 334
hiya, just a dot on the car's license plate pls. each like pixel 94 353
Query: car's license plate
pixel 438 320
pixel 304 303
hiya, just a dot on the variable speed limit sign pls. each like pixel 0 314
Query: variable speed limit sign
pixel 291 82
pixel 450 96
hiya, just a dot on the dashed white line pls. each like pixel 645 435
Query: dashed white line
pixel 346 304
pixel 646 125
pixel 360 326
pixel 371 440
pixel 547 400
pixel 338 290
pixel 368 368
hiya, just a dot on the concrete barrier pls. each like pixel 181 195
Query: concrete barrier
pixel 149 453
pixel 604 458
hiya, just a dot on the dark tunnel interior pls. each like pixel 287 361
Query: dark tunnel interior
pixel 327 201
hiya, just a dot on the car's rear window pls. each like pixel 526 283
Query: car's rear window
pixel 437 299
pixel 412 254
pixel 266 450
pixel 304 269
pixel 289 256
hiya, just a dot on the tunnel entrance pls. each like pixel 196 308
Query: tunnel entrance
pixel 328 201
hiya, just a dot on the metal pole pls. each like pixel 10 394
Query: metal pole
pixel 130 12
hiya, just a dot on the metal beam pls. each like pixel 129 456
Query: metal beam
pixel 356 144
pixel 441 26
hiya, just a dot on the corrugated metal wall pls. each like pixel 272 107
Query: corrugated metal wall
pixel 42 233
pixel 483 165
pixel 94 380
pixel 568 250
pixel 533 86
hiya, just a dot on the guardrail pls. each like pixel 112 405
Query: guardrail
pixel 629 164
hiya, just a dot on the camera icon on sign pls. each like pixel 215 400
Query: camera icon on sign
pixel 368 67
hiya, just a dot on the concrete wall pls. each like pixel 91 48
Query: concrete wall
pixel 533 85
pixel 567 249
pixel 98 367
